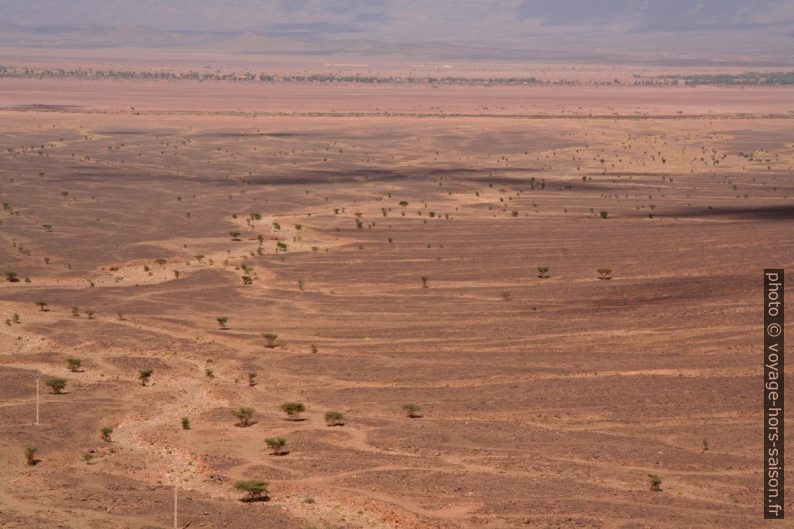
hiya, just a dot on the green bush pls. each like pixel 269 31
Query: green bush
pixel 334 418
pixel 412 410
pixel 244 415
pixel 106 431
pixel 254 488
pixel 30 455
pixel 276 444
pixel 144 375
pixel 56 384
pixel 293 409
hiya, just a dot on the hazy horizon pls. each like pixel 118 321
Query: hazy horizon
pixel 653 30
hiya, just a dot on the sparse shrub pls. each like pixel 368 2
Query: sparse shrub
pixel 88 457
pixel 424 281
pixel 255 489
pixel 91 314
pixel 314 348
pixel 74 364
pixel 293 409
pixel 57 385
pixel 252 379
pixel 654 482
pixel 270 339
pixel 30 455
pixel 209 373
pixel 334 418
pixel 604 273
pixel 604 214
pixel 185 423
pixel 12 277
pixel 144 375
pixel 244 415
pixel 705 444
pixel 222 320
pixel 506 296
pixel 412 410
pixel 42 305
pixel 106 431
pixel 235 235
pixel 543 272
pixel 276 444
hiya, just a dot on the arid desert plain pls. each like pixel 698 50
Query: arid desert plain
pixel 565 281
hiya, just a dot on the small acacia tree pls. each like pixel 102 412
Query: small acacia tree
pixel 144 375
pixel 654 482
pixel 74 364
pixel 604 273
pixel 106 431
pixel 244 415
pixel 255 489
pixel 270 339
pixel 42 305
pixel 276 445
pixel 412 410
pixel 30 455
pixel 222 320
pixel 293 409
pixel 334 418
pixel 185 423
pixel 57 385
pixel 543 272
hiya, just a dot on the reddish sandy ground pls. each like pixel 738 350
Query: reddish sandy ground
pixel 546 402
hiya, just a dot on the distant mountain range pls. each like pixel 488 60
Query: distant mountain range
pixel 663 31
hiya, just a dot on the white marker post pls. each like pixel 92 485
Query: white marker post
pixel 38 375
pixel 175 489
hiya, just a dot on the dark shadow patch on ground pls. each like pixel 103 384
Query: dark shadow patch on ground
pixel 774 213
